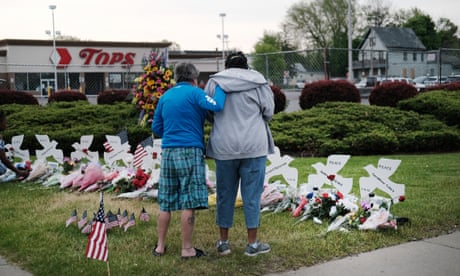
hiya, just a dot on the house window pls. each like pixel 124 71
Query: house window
pixel 414 56
pixel 405 56
pixel 422 57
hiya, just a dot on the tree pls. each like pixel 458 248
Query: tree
pixel 424 28
pixel 376 13
pixel 267 61
pixel 319 23
pixel 447 33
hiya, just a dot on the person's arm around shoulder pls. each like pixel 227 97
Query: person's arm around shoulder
pixel 215 103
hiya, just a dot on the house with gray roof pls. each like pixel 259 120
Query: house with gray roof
pixel 389 52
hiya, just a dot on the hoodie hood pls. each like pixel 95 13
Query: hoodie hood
pixel 237 80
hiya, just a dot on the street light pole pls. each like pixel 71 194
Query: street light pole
pixel 350 53
pixel 54 55
pixel 223 36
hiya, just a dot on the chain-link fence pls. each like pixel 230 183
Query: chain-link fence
pixel 288 68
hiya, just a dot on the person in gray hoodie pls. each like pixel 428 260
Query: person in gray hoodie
pixel 239 142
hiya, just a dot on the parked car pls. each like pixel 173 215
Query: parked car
pixel 454 78
pixel 300 84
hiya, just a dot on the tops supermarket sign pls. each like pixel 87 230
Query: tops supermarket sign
pixel 95 56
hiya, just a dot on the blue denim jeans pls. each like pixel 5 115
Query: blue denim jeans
pixel 229 174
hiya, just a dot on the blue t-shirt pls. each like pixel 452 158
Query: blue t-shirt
pixel 180 114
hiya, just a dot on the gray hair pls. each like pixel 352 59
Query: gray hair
pixel 185 72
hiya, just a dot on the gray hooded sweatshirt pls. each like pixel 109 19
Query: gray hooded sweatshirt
pixel 241 130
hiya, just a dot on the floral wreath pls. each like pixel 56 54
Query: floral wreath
pixel 151 85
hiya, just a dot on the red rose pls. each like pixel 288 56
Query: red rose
pixel 402 198
pixel 325 195
pixel 339 194
pixel 362 220
pixel 154 155
pixel 331 177
pixel 85 151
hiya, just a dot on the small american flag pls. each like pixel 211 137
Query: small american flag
pixel 83 220
pixel 123 136
pixel 107 147
pixel 87 228
pixel 73 218
pixel 97 240
pixel 119 215
pixel 111 220
pixel 124 218
pixel 144 216
pixel 140 151
pixel 131 222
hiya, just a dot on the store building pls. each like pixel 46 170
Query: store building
pixel 87 66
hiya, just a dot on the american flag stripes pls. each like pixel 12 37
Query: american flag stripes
pixel 123 139
pixel 144 216
pixel 73 218
pixel 111 221
pixel 97 240
pixel 140 151
pixel 83 220
pixel 131 222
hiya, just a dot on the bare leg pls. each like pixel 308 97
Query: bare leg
pixel 187 223
pixel 252 235
pixel 223 234
pixel 162 230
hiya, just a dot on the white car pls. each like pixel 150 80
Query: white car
pixel 300 84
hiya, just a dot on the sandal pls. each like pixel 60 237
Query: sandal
pixel 158 254
pixel 198 253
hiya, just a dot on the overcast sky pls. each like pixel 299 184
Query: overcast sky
pixel 193 24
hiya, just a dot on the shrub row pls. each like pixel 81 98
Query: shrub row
pixel 444 105
pixel 389 94
pixel 66 122
pixel 455 86
pixel 113 96
pixel 17 97
pixel 350 128
pixel 67 96
pixel 280 99
pixel 327 90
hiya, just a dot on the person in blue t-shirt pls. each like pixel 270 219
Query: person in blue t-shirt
pixel 179 120
pixel 5 163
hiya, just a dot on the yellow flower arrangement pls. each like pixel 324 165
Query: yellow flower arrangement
pixel 151 85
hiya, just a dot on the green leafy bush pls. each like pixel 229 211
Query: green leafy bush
pixel 444 105
pixel 112 96
pixel 349 128
pixel 17 97
pixel 389 94
pixel 66 122
pixel 67 96
pixel 328 91
pixel 280 99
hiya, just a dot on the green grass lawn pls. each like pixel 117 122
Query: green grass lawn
pixel 33 232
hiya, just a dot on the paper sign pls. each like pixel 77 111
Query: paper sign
pixel 15 148
pixel 280 166
pixel 379 179
pixel 120 152
pixel 329 174
pixel 82 149
pixel 49 149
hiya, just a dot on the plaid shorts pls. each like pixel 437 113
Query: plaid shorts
pixel 182 183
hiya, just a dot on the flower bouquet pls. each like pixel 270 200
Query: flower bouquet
pixel 151 85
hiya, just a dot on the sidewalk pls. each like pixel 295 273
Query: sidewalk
pixel 438 256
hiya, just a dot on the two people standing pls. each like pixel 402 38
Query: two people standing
pixel 239 142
